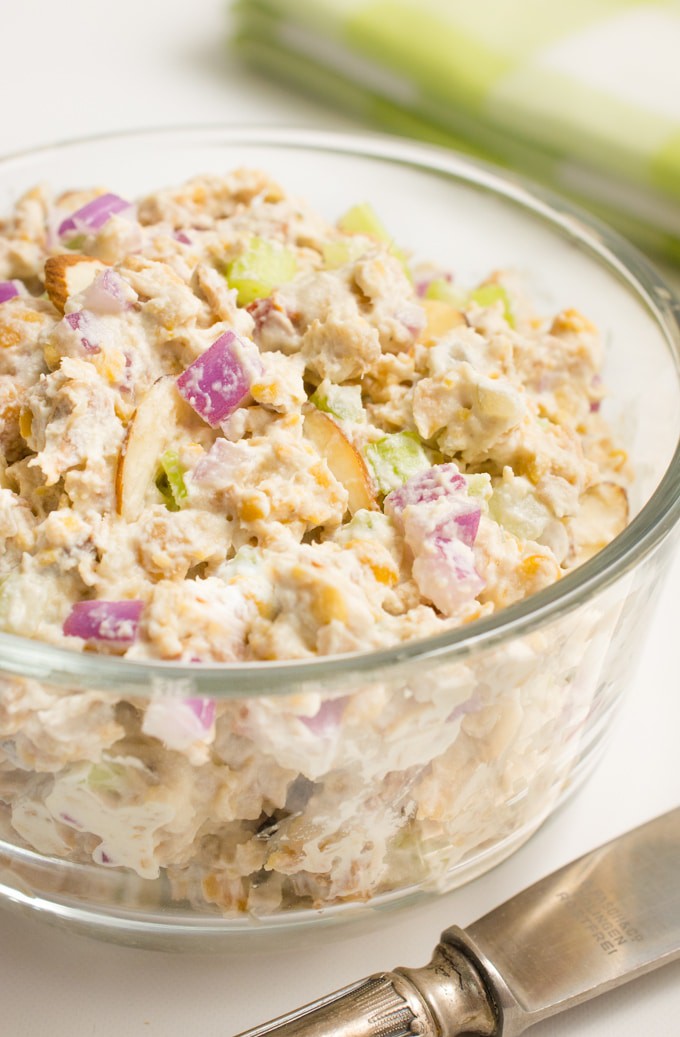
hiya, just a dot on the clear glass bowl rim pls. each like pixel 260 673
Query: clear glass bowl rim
pixel 655 521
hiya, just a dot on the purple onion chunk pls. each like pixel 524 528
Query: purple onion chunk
pixel 203 710
pixel 114 622
pixel 445 573
pixel 109 294
pixel 219 380
pixel 462 525
pixel 433 484
pixel 328 717
pixel 82 323
pixel 94 215
pixel 8 290
pixel 179 723
pixel 457 521
pixel 440 523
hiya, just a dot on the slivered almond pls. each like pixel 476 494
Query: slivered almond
pixel 602 515
pixel 343 460
pixel 152 429
pixel 67 275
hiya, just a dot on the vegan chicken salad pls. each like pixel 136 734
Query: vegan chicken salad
pixel 232 431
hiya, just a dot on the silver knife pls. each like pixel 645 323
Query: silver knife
pixel 602 920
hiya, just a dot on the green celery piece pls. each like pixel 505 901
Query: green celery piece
pixel 479 485
pixel 106 777
pixel 170 482
pixel 364 525
pixel 260 269
pixel 523 516
pixel 339 253
pixel 363 219
pixel 76 242
pixel 443 291
pixel 488 294
pixel 395 458
pixel 342 401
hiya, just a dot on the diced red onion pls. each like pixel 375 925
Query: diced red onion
pixel 218 467
pixel 219 380
pixel 440 524
pixel 82 323
pixel 453 519
pixel 93 215
pixel 115 622
pixel 445 573
pixel 442 480
pixel 203 710
pixel 328 717
pixel 438 506
pixel 8 290
pixel 178 723
pixel 463 525
pixel 108 294
pixel 180 236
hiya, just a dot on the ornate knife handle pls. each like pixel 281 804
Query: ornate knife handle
pixel 427 1002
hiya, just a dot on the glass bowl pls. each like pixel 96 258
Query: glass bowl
pixel 425 764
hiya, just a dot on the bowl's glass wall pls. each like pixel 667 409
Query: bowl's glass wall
pixel 332 795
pixel 348 787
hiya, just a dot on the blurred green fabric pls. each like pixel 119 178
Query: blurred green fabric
pixel 584 96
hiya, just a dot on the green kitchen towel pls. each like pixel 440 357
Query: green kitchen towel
pixel 583 96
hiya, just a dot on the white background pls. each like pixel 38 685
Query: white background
pixel 83 67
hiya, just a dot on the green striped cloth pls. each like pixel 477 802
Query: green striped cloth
pixel 582 95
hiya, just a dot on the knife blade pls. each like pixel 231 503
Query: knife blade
pixel 609 916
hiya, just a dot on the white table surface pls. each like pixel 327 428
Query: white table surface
pixel 84 67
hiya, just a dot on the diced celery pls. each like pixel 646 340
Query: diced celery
pixel 339 253
pixel 170 480
pixel 76 242
pixel 342 401
pixel 479 486
pixel 515 507
pixel 363 219
pixel 488 294
pixel 125 778
pixel 260 269
pixel 365 525
pixel 443 291
pixel 395 458
pixel 107 777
